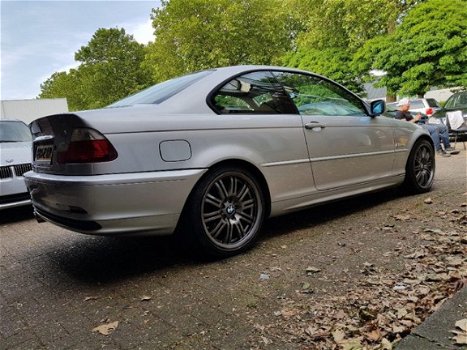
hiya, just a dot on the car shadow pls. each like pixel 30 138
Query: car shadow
pixel 104 260
pixel 16 214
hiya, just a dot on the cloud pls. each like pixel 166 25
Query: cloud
pixel 142 32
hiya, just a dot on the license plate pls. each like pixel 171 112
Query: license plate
pixel 44 153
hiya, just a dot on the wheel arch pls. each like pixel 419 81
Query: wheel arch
pixel 242 164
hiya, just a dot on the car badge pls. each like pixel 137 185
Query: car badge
pixel 9 161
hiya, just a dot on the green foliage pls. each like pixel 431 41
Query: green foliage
pixel 333 30
pixel 199 34
pixel 110 69
pixel 419 43
pixel 428 49
pixel 333 63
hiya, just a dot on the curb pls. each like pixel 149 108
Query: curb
pixel 435 332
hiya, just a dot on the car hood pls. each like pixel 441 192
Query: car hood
pixel 15 153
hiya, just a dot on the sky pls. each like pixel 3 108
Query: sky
pixel 39 38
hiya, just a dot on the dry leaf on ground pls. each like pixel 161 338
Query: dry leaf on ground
pixel 462 324
pixel 107 328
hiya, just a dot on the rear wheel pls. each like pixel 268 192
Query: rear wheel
pixel 420 168
pixel 226 211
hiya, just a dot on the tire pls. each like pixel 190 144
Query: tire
pixel 420 168
pixel 225 212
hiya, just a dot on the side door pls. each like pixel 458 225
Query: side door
pixel 346 146
pixel 260 124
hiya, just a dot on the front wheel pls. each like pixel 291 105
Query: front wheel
pixel 226 211
pixel 420 168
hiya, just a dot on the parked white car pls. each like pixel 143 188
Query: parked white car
pixel 15 160
pixel 426 106
pixel 214 153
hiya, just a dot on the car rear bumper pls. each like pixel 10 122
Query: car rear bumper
pixel 117 204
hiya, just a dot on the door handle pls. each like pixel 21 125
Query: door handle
pixel 314 126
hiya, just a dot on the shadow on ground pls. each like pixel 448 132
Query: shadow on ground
pixel 16 214
pixel 104 260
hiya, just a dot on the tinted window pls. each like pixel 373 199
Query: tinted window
pixel 14 132
pixel 316 96
pixel 432 102
pixel 160 92
pixel 253 93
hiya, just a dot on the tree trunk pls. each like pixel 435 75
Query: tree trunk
pixel 390 97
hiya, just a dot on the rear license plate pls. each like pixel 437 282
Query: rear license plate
pixel 44 153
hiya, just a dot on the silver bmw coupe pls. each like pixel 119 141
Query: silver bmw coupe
pixel 214 153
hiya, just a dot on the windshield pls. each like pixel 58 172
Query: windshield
pixel 14 131
pixel 457 101
pixel 160 92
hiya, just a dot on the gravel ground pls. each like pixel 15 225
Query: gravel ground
pixel 355 274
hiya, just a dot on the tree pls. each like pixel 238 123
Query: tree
pixel 334 63
pixel 333 30
pixel 429 48
pixel 110 69
pixel 199 34
pixel 64 85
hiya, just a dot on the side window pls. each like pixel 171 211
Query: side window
pixel 315 96
pixel 253 93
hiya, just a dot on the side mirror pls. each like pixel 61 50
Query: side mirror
pixel 377 107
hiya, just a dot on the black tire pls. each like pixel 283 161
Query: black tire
pixel 420 168
pixel 225 212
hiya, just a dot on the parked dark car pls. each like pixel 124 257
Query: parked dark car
pixel 457 102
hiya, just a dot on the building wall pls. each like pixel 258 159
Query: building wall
pixel 440 95
pixel 28 110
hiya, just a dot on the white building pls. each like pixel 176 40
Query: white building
pixel 28 110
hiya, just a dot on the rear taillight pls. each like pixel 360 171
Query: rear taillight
pixel 87 146
pixel 429 112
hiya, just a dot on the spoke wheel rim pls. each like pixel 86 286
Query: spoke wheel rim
pixel 423 166
pixel 231 210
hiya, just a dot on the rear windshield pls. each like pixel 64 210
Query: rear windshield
pixel 416 104
pixel 432 102
pixel 457 101
pixel 160 92
pixel 14 132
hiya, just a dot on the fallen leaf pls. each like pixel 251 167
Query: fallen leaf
pixel 428 201
pixel 107 328
pixel 401 313
pixel 266 341
pixel 90 298
pixel 145 298
pixel 460 339
pixel 338 335
pixel 352 344
pixel 374 335
pixel 398 329
pixel 311 269
pixel 287 313
pixel 462 324
pixel 340 314
pixel 434 230
pixel 386 344
pixel 402 217
pixel 310 331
